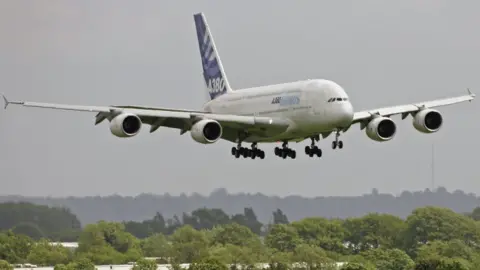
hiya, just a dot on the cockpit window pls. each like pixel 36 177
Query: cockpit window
pixel 337 99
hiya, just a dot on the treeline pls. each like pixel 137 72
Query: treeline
pixel 144 206
pixel 59 224
pixel 429 238
pixel 39 221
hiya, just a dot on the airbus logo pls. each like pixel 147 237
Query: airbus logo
pixel 286 100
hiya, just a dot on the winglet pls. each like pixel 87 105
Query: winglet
pixel 470 92
pixel 5 100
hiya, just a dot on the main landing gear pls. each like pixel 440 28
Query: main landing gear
pixel 313 149
pixel 337 142
pixel 246 152
pixel 285 152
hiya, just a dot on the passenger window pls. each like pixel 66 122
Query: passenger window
pixel 339 99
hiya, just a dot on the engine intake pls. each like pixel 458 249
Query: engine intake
pixel 206 131
pixel 428 121
pixel 125 125
pixel 381 129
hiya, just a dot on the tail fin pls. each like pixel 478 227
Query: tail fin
pixel 213 73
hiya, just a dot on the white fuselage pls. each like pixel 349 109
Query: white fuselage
pixel 308 105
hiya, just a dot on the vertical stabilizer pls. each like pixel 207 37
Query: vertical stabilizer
pixel 213 73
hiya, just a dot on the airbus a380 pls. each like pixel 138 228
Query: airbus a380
pixel 287 112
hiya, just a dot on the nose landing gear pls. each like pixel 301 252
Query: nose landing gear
pixel 337 142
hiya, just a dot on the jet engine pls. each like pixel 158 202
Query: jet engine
pixel 125 125
pixel 381 129
pixel 428 121
pixel 206 131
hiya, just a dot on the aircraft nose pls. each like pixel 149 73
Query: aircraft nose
pixel 346 114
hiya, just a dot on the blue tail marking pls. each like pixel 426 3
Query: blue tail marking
pixel 213 73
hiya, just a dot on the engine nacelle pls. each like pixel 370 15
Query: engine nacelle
pixel 381 129
pixel 206 131
pixel 125 125
pixel 428 121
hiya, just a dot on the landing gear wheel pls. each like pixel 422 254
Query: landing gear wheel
pixel 334 144
pixel 340 144
pixel 313 150
pixel 234 151
pixel 292 154
pixel 261 154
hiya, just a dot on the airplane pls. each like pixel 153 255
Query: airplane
pixel 279 113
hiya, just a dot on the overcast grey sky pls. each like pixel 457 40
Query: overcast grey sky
pixel 145 53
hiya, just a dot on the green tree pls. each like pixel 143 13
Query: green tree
pixel 144 264
pixel 234 234
pixel 318 231
pixel 442 263
pixel 189 244
pixel 45 254
pixel 283 238
pixel 388 259
pixel 14 248
pixel 204 218
pixel 248 219
pixel 314 257
pixel 433 223
pixel 279 260
pixel 279 217
pixel 475 215
pixel 239 256
pixel 62 267
pixel 156 246
pixel 108 243
pixel 4 265
pixel 450 249
pixel 373 231
pixel 355 266
pixel 37 221
pixel 81 264
pixel 148 227
pixel 208 264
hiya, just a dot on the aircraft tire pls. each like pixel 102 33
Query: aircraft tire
pixel 334 144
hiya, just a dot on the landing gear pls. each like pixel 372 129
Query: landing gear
pixel 313 149
pixel 285 152
pixel 246 152
pixel 337 142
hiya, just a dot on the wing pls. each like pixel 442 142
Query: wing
pixel 175 118
pixel 364 116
